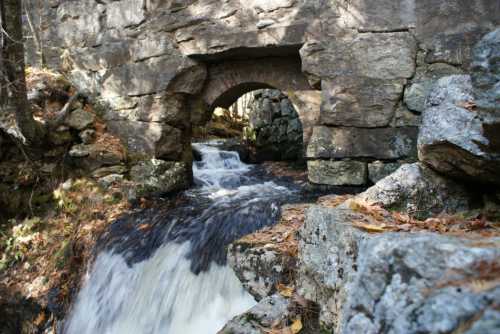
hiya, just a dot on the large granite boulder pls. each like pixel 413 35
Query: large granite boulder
pixel 397 282
pixel 453 139
pixel 418 190
pixel 426 76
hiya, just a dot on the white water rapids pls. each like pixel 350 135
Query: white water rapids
pixel 180 288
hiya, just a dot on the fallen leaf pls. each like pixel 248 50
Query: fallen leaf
pixel 370 227
pixel 284 290
pixel 296 326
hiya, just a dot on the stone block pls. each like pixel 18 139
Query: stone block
pixel 379 143
pixel 337 173
pixel 149 138
pixel 360 102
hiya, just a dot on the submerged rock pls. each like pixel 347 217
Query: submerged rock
pixel 418 190
pixel 396 282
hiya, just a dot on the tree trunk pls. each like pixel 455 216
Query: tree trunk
pixel 14 106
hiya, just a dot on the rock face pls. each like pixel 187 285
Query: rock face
pixel 274 127
pixel 396 282
pixel 260 269
pixel 486 73
pixel 417 189
pixel 158 67
pixel 452 137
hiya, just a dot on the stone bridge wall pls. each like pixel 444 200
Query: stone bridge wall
pixel 157 66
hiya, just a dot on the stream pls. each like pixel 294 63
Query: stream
pixel 164 270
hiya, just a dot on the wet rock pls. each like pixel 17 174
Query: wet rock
pixel 237 146
pixel 337 173
pixel 452 138
pixel 80 119
pixel 417 189
pixel 377 170
pixel 394 282
pixel 158 177
pixel 266 314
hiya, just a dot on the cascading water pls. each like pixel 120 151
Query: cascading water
pixel 164 271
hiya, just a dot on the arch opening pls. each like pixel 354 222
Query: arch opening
pixel 262 120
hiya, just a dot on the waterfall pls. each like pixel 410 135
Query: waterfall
pixel 172 277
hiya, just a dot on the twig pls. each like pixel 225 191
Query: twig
pixel 63 113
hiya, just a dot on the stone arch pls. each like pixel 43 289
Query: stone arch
pixel 230 79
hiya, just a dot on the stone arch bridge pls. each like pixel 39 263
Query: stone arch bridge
pixel 357 71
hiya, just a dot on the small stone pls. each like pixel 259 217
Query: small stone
pixel 48 168
pixel 79 151
pixel 101 172
pixel 264 24
pixel 109 180
pixel 67 184
pixel 80 119
pixel 87 136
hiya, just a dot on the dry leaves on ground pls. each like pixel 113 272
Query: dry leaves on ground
pixel 376 219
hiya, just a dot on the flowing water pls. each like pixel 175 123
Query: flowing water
pixel 164 270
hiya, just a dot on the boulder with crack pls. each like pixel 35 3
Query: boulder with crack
pixel 397 282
